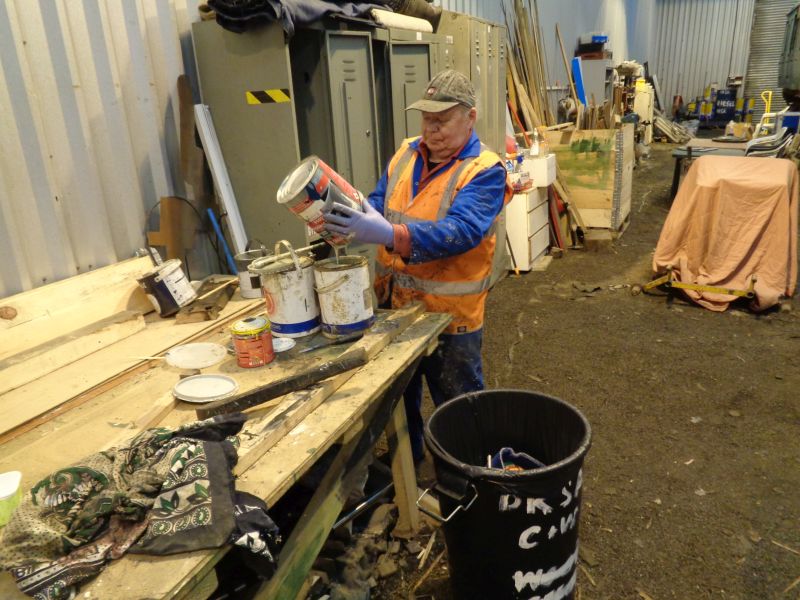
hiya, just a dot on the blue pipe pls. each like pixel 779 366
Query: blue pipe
pixel 228 257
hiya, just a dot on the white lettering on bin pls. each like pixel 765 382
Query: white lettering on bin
pixel 524 538
pixel 542 578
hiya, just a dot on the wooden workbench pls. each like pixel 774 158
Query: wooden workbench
pixel 140 396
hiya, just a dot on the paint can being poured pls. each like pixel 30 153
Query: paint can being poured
pixel 313 189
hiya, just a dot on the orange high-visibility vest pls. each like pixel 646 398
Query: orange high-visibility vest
pixel 457 284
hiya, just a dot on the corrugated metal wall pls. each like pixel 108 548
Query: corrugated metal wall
pixel 766 44
pixel 490 10
pixel 89 123
pixel 699 42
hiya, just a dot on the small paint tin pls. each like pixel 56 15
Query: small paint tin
pixel 252 340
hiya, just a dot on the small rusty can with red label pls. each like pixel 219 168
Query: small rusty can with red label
pixel 252 340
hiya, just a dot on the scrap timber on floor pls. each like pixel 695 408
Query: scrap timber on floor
pixel 108 396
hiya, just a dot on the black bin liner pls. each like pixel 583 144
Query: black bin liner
pixel 510 534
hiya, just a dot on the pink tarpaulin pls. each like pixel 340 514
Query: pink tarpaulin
pixel 733 218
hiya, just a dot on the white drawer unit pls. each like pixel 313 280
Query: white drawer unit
pixel 527 220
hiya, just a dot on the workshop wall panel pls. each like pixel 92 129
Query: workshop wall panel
pixel 699 42
pixel 89 122
pixel 766 44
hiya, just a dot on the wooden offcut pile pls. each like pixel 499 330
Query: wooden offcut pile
pixel 674 132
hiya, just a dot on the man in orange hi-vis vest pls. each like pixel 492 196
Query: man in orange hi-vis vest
pixel 433 215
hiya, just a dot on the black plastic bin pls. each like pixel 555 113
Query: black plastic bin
pixel 509 534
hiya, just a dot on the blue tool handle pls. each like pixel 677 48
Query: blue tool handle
pixel 228 257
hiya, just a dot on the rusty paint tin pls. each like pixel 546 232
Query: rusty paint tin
pixel 252 341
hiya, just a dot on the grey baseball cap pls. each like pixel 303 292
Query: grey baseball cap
pixel 446 90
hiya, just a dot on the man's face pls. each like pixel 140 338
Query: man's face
pixel 446 132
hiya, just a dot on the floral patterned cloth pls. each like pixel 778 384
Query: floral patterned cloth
pixel 165 491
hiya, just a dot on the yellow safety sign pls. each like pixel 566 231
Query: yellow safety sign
pixel 267 96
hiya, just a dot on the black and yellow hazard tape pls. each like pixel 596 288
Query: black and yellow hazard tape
pixel 267 96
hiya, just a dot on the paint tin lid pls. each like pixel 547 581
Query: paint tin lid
pixel 199 389
pixel 250 326
pixel 198 355
pixel 282 344
pixel 296 181
pixel 9 484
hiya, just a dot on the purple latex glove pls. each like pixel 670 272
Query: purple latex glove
pixel 368 227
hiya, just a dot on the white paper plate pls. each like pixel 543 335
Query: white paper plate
pixel 196 356
pixel 281 344
pixel 200 389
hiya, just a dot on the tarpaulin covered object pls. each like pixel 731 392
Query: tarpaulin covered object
pixel 733 218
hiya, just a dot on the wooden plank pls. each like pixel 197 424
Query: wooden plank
pixel 171 225
pixel 596 217
pixel 38 315
pixel 31 364
pixel 405 480
pixel 75 382
pixel 572 91
pixel 165 577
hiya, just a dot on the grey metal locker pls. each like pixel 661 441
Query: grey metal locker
pixel 477 74
pixel 258 141
pixel 410 73
pixel 355 128
pixel 477 48
pixel 404 63
pixel 456 53
pixel 336 110
pixel 488 74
